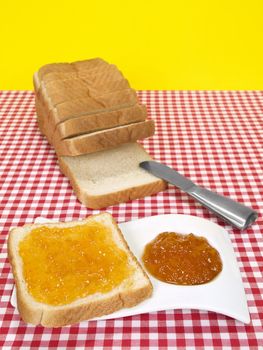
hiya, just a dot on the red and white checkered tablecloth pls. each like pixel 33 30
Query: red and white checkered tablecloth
pixel 213 137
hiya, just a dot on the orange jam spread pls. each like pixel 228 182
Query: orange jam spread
pixel 61 265
pixel 182 259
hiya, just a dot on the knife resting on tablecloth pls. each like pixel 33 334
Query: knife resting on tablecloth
pixel 229 210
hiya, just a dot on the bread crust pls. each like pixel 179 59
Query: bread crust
pixel 28 314
pixel 70 314
pixel 106 200
pixel 71 67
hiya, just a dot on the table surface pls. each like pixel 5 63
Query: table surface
pixel 213 137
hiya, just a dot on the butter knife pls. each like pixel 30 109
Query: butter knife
pixel 229 210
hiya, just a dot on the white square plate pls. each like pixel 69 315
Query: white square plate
pixel 225 294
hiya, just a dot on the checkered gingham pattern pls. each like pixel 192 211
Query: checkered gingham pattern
pixel 213 137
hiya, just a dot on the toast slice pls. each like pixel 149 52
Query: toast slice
pixel 103 139
pixel 111 176
pixel 94 122
pixel 133 287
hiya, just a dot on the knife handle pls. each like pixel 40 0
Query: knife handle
pixel 235 213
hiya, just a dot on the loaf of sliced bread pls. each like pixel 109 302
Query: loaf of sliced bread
pixel 101 93
pixel 131 289
pixel 92 118
pixel 83 84
pixel 111 176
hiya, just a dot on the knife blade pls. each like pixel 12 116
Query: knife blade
pixel 169 175
pixel 235 213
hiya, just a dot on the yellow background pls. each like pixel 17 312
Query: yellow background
pixel 182 44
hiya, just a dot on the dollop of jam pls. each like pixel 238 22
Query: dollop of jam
pixel 182 259
pixel 61 265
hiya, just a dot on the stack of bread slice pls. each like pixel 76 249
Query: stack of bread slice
pixel 88 112
pixel 88 106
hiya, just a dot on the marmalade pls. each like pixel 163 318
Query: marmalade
pixel 182 259
pixel 61 265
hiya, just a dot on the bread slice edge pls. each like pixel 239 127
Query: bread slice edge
pixel 104 139
pixel 98 201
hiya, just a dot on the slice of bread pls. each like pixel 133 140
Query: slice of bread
pixel 133 289
pixel 104 139
pixel 111 176
pixel 93 122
